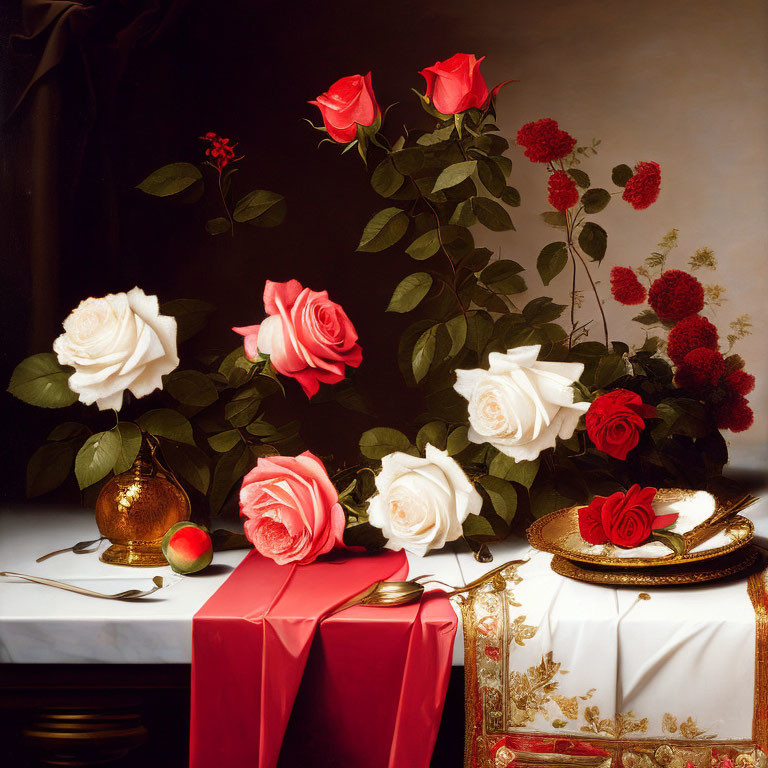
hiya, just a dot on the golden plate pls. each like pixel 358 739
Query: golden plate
pixel 692 573
pixel 558 533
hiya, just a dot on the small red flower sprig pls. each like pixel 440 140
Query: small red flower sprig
pixel 676 298
pixel 221 153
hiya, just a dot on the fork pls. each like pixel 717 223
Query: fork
pixel 129 594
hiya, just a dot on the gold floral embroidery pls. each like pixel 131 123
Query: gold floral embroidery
pixel 520 631
pixel 615 728
pixel 690 730
pixel 568 706
pixel 530 691
pixel 669 723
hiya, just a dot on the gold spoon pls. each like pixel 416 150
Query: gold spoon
pixel 129 594
pixel 81 548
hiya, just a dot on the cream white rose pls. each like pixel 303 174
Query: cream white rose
pixel 421 503
pixel 118 342
pixel 521 404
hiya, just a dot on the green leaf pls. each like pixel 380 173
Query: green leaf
pixel 594 200
pixel 243 407
pixel 386 179
pixel 454 174
pixel 191 316
pixel 647 317
pixel 230 467
pixel 457 440
pixel 96 458
pixel 511 197
pixel 505 467
pixel 502 495
pixel 673 540
pixel 379 442
pixel 424 352
pixel 490 214
pixel 170 179
pixel 409 292
pixel 130 442
pixel 621 174
pixel 261 208
pixel 165 422
pixel 187 462
pixel 552 261
pixel 479 330
pixel 503 277
pixel 610 368
pixel 554 218
pixel 477 525
pixel 217 226
pixel 40 380
pixel 191 388
pixel 224 441
pixel 593 240
pixel 49 467
pixel 491 176
pixel 542 310
pixel 235 367
pixel 463 215
pixel 68 430
pixel 435 433
pixel 503 163
pixel 383 230
pixel 457 330
pixel 424 246
pixel 408 161
pixel 579 177
pixel 681 416
pixel 436 137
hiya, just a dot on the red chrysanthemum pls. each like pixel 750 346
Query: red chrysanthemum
pixel 700 370
pixel 739 382
pixel 544 142
pixel 562 191
pixel 675 295
pixel 219 150
pixel 691 333
pixel 734 413
pixel 642 189
pixel 625 286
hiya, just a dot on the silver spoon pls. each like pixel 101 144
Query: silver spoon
pixel 129 594
pixel 81 548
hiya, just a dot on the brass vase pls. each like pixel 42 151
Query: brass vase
pixel 135 509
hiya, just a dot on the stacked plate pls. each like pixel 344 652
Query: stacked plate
pixel 726 552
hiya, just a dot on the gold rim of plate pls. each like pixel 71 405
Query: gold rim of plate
pixel 540 538
pixel 729 565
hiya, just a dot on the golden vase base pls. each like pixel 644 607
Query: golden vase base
pixel 139 554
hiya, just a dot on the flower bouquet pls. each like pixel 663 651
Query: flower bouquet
pixel 525 407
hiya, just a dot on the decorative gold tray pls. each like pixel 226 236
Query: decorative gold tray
pixel 558 533
pixel 691 573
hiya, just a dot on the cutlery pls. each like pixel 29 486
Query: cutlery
pixel 129 594
pixel 81 548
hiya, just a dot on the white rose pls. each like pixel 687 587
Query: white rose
pixel 520 404
pixel 421 503
pixel 116 343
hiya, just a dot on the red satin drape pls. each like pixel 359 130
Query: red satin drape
pixel 367 689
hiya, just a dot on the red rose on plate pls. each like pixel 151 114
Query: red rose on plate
pixel 456 84
pixel 615 420
pixel 625 519
pixel 349 102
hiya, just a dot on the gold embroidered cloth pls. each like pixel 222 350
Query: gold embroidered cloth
pixel 567 673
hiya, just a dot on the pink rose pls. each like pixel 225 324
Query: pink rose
pixel 307 336
pixel 291 509
pixel 349 102
pixel 456 84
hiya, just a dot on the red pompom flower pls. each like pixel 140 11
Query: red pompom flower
pixel 625 287
pixel 691 333
pixel 739 382
pixel 642 189
pixel 544 142
pixel 562 191
pixel 734 413
pixel 700 370
pixel 675 295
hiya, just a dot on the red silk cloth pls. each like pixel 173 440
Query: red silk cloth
pixel 366 686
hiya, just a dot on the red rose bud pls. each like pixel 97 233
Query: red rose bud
pixel 591 522
pixel 690 333
pixel 349 102
pixel 700 370
pixel 676 295
pixel 456 84
pixel 615 420
pixel 544 142
pixel 562 191
pixel 187 547
pixel 642 189
pixel 625 287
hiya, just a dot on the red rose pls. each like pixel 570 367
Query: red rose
pixel 456 84
pixel 691 333
pixel 642 189
pixel 625 287
pixel 544 142
pixel 625 519
pixel 615 420
pixel 676 295
pixel 349 102
pixel 562 191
